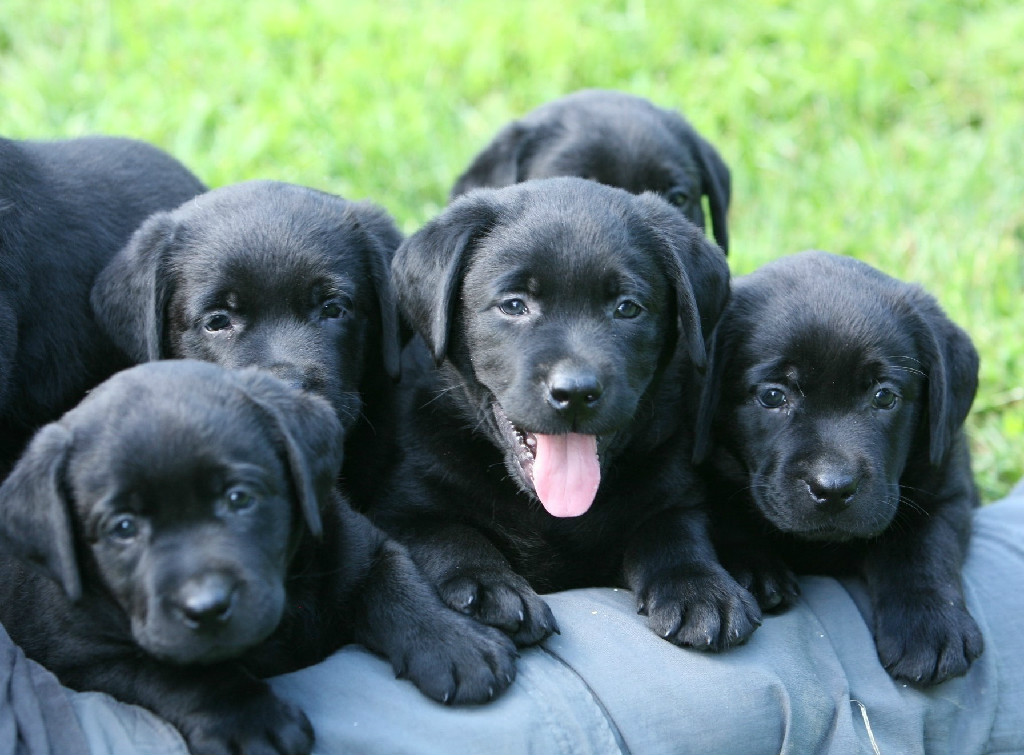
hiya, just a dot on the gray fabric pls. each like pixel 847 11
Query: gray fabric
pixel 807 682
pixel 35 716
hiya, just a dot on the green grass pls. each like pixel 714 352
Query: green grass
pixel 891 131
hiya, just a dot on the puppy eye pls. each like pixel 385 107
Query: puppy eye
pixel 218 321
pixel 884 399
pixel 678 197
pixel 123 527
pixel 628 309
pixel 332 309
pixel 513 307
pixel 771 398
pixel 240 500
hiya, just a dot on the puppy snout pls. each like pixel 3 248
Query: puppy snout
pixel 574 390
pixel 832 489
pixel 206 601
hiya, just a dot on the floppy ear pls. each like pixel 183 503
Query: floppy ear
pixel 382 237
pixel 497 165
pixel 951 363
pixel 719 356
pixel 130 294
pixel 428 267
pixel 311 434
pixel 717 185
pixel 696 267
pixel 35 520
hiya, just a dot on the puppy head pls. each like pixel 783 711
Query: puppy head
pixel 179 489
pixel 616 139
pixel 829 379
pixel 558 303
pixel 262 274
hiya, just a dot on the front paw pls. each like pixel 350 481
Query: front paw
pixel 501 599
pixel 459 661
pixel 768 579
pixel 262 723
pixel 926 641
pixel 705 610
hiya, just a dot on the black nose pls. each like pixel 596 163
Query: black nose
pixel 832 490
pixel 207 600
pixel 573 389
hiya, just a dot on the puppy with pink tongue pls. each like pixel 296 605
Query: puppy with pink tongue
pixel 548 402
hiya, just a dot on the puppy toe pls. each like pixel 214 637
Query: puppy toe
pixel 502 600
pixel 261 724
pixel 926 648
pixel 461 594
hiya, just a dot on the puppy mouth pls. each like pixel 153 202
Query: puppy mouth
pixel 563 471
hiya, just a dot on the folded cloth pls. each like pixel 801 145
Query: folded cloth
pixel 808 681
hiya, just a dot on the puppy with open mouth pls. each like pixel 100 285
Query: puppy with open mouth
pixel 833 425
pixel 547 408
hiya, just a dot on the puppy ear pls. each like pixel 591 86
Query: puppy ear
pixel 428 267
pixel 383 238
pixel 311 434
pixel 35 521
pixel 696 267
pixel 497 165
pixel 719 356
pixel 717 185
pixel 951 363
pixel 131 293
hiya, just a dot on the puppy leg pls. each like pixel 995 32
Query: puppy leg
pixel 923 631
pixel 219 709
pixel 450 657
pixel 688 597
pixel 472 577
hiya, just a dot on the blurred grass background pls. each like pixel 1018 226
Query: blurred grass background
pixel 890 130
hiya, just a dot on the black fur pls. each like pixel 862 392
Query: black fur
pixel 191 542
pixel 272 275
pixel 834 425
pixel 574 253
pixel 613 138
pixel 66 207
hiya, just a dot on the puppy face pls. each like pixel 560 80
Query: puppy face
pixel 571 299
pixel 828 374
pixel 187 486
pixel 262 274
pixel 615 139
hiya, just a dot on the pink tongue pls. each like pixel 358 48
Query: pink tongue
pixel 566 473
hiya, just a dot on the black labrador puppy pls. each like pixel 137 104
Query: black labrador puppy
pixel 834 426
pixel 271 275
pixel 549 448
pixel 613 138
pixel 66 207
pixel 191 542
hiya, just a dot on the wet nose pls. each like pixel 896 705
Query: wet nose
pixel 832 490
pixel 571 389
pixel 206 601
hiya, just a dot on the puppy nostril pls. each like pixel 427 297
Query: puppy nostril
pixel 575 391
pixel 207 602
pixel 833 491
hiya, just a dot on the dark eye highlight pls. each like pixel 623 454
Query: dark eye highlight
pixel 240 500
pixel 771 398
pixel 678 197
pixel 123 527
pixel 884 399
pixel 332 310
pixel 513 307
pixel 217 321
pixel 628 309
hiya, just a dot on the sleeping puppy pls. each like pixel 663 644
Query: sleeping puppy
pixel 271 275
pixel 66 207
pixel 191 542
pixel 550 447
pixel 613 138
pixel 836 410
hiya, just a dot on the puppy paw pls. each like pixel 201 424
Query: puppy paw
pixel 503 600
pixel 768 579
pixel 462 662
pixel 263 723
pixel 926 643
pixel 704 610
